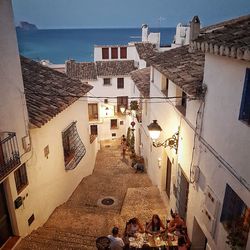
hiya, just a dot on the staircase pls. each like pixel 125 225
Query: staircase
pixel 48 238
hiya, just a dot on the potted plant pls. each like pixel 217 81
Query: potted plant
pixel 134 105
pixel 237 234
pixel 128 136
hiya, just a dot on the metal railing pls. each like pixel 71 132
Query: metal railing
pixel 9 153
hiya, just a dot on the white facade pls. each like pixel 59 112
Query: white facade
pixel 98 52
pixel 12 101
pixel 224 143
pixel 106 115
pixel 49 184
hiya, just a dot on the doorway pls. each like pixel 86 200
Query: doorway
pixel 5 226
pixel 168 177
pixel 182 193
pixel 199 240
pixel 93 130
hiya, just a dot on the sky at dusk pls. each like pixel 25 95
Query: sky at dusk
pixel 125 13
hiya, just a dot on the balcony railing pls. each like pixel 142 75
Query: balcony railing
pixel 9 153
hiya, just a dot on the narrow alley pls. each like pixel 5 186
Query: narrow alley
pixel 83 218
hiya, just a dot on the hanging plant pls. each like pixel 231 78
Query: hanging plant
pixel 134 105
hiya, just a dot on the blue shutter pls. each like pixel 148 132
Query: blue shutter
pixel 245 101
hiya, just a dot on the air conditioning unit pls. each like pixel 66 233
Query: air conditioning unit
pixel 211 202
pixel 26 143
pixel 209 221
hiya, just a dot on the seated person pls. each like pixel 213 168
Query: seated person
pixel 116 242
pixel 155 226
pixel 182 243
pixel 139 166
pixel 176 223
pixel 133 226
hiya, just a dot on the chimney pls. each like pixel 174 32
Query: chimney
pixel 144 37
pixel 194 28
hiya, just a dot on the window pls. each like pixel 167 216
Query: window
pixel 106 81
pixel 123 52
pixel 105 53
pixel 93 130
pixel 73 148
pixel 235 216
pixel 122 100
pixel 245 101
pixel 233 207
pixel 164 85
pixel 21 178
pixel 181 103
pixel 152 74
pixel 93 111
pixel 114 53
pixel 120 83
pixel 113 124
pixel 182 193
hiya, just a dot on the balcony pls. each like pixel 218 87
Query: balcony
pixel 9 153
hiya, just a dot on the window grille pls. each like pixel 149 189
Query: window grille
pixel 73 148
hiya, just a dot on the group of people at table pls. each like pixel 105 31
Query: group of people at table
pixel 175 230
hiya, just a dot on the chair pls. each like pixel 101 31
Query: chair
pixel 103 243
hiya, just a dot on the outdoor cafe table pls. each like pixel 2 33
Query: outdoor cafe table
pixel 153 242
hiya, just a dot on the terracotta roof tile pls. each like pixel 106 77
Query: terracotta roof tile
pixel 114 68
pixel 145 50
pixel 230 38
pixel 81 70
pixel 48 92
pixel 183 68
pixel 141 78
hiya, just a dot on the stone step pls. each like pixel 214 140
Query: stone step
pixel 52 238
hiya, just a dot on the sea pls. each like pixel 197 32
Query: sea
pixel 59 45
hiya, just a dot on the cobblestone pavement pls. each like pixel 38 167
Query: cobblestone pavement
pixel 78 222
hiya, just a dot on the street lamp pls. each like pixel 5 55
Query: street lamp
pixel 122 109
pixel 154 132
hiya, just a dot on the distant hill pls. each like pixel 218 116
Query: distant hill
pixel 26 26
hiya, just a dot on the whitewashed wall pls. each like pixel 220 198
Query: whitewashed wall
pixel 228 136
pixel 13 109
pixel 49 184
pixel 98 52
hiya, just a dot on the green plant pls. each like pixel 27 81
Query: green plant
pixel 128 136
pixel 132 142
pixel 134 105
pixel 237 234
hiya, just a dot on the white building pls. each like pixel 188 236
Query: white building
pixel 112 88
pixel 14 132
pixel 207 178
pixel 45 148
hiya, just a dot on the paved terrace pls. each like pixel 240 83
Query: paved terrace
pixel 78 222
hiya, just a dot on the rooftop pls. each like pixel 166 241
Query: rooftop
pixel 230 38
pixel 145 50
pixel 183 68
pixel 141 78
pixel 81 70
pixel 48 92
pixel 114 68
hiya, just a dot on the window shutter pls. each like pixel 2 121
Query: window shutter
pixel 123 52
pixel 245 101
pixel 105 53
pixel 114 53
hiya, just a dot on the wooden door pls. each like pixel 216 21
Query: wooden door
pixel 168 177
pixel 5 226
pixel 182 193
